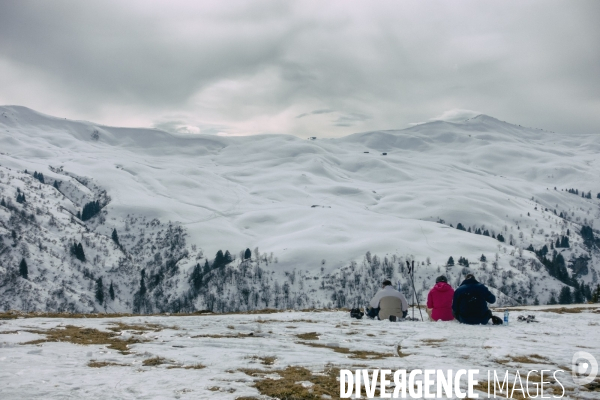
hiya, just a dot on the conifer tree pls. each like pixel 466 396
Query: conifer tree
pixel 80 254
pixel 90 210
pixel 111 291
pixel 196 277
pixel 77 251
pixel 142 283
pixel 450 261
pixel 99 290
pixel 530 248
pixel 23 270
pixel 219 259
pixel 247 253
pixel 596 295
pixel 115 236
pixel 565 296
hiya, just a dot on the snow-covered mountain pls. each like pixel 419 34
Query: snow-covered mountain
pixel 326 219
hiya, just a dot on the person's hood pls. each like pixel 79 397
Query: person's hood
pixel 442 287
pixel 471 281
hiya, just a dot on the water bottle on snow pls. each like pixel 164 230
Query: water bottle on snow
pixel 505 317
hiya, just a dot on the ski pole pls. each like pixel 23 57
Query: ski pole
pixel 415 290
pixel 411 273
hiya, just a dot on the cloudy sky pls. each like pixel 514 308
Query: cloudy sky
pixel 308 68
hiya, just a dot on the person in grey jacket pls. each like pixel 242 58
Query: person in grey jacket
pixel 387 302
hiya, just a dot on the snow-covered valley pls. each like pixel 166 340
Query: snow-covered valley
pixel 325 220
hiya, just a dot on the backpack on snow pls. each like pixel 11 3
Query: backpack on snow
pixel 356 313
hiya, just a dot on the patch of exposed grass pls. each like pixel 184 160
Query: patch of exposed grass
pixel 531 359
pixel 8 332
pixel 13 314
pixel 593 386
pixel 214 388
pixel 194 366
pixel 308 336
pixel 433 342
pixel 264 360
pixel 276 321
pixel 138 329
pixel 566 310
pixel 102 364
pixel 224 336
pixel 357 354
pixel 325 384
pixel 86 336
pixel 154 361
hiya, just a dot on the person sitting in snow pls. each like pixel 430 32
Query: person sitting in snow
pixel 439 300
pixel 470 302
pixel 388 303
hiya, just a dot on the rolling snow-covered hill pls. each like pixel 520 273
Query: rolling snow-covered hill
pixel 326 220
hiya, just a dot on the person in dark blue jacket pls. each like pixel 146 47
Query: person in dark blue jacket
pixel 470 302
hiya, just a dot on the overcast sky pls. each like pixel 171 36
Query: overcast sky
pixel 322 68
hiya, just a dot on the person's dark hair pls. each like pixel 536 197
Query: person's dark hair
pixel 386 283
pixel 441 278
pixel 469 276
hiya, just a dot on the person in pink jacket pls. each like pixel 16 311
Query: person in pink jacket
pixel 439 300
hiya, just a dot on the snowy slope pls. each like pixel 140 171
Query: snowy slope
pixel 312 208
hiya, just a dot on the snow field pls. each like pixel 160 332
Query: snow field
pixel 243 341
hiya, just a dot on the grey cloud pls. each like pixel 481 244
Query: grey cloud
pixel 316 112
pixel 351 119
pixel 258 66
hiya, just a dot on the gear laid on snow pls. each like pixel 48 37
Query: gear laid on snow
pixel 528 319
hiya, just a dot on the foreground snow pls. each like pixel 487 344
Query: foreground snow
pixel 60 370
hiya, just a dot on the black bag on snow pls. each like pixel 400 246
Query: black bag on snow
pixel 356 313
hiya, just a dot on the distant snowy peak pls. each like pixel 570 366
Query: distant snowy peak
pixel 63 132
pixel 473 132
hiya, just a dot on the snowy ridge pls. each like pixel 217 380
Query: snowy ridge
pixel 175 200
